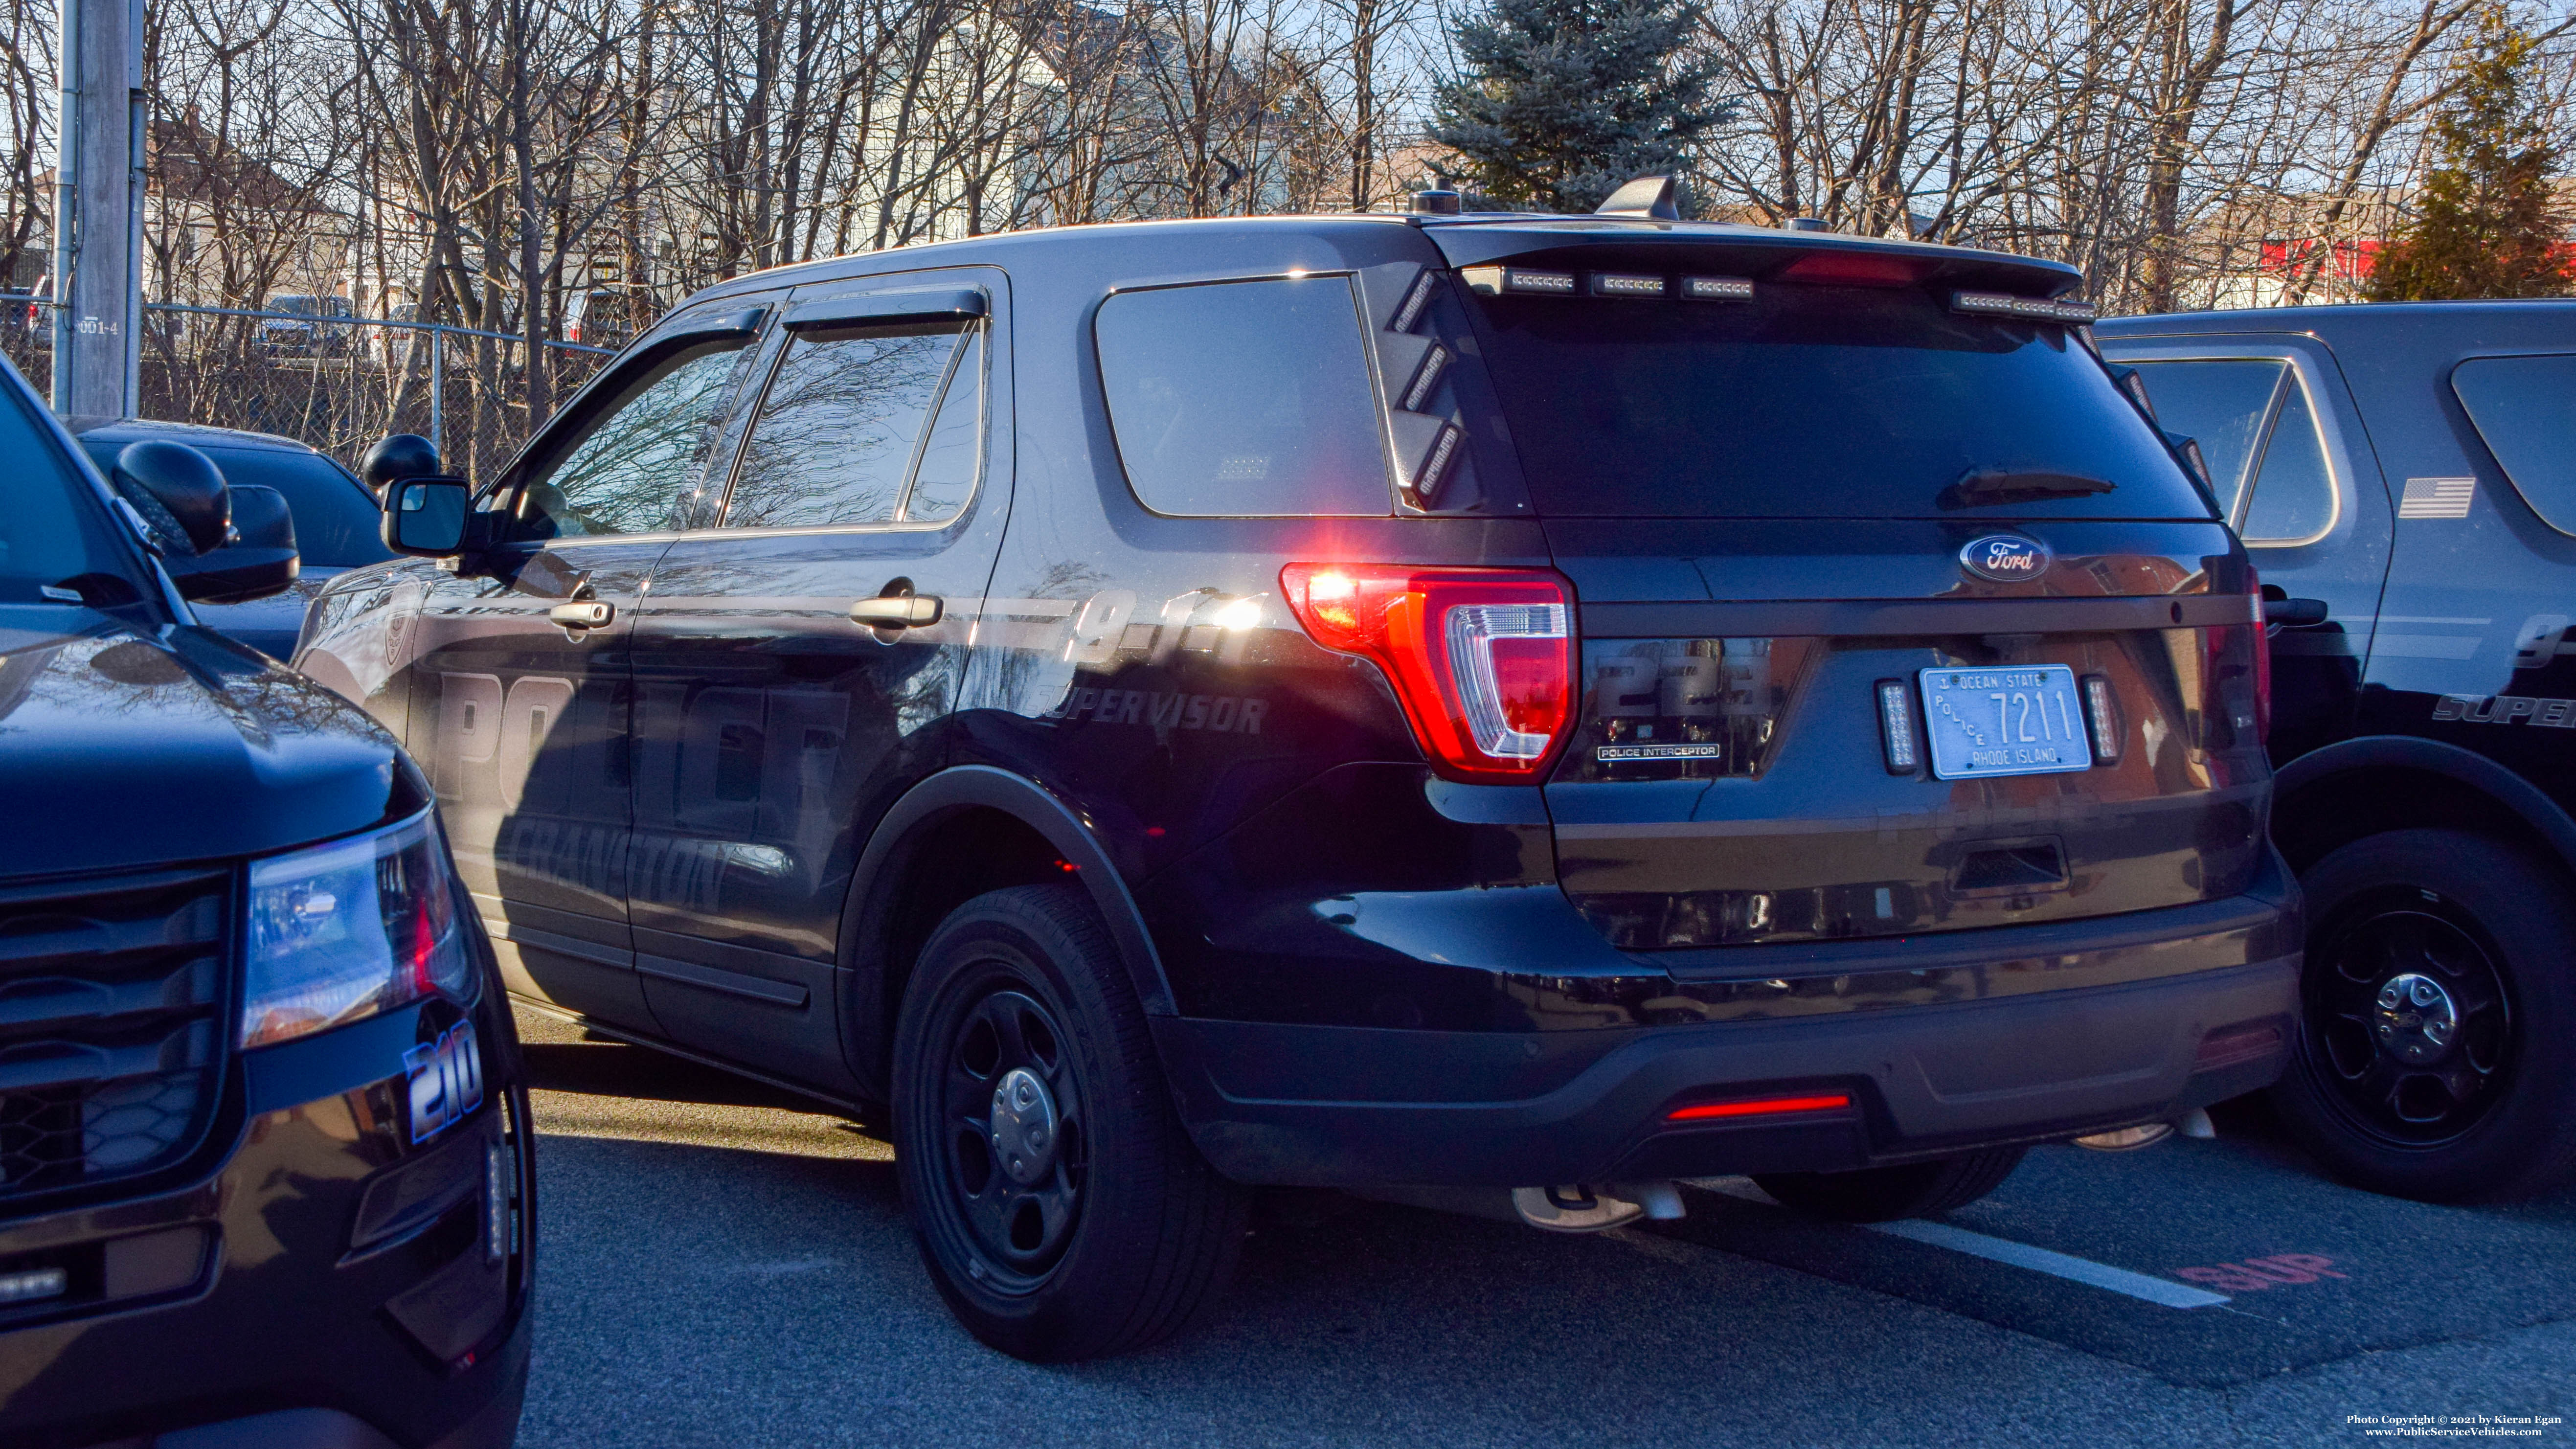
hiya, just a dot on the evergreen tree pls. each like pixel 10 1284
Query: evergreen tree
pixel 2488 224
pixel 1563 100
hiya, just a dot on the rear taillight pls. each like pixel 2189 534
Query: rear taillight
pixel 1481 659
pixel 2236 683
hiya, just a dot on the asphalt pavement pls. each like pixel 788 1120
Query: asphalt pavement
pixel 722 1264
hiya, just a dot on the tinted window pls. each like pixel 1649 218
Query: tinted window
pixel 840 426
pixel 335 518
pixel 2525 408
pixel 2222 405
pixel 633 468
pixel 1244 399
pixel 2294 493
pixel 1810 401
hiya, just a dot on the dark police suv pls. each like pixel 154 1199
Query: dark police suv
pixel 2405 476
pixel 263 1161
pixel 1541 704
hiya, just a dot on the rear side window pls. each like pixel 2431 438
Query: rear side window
pixel 844 422
pixel 2259 434
pixel 2525 409
pixel 1816 402
pixel 1244 399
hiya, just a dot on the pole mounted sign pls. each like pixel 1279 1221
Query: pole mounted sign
pixel 98 210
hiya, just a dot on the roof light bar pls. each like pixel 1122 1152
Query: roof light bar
pixel 1492 280
pixel 1622 284
pixel 1718 289
pixel 1760 1107
pixel 2037 309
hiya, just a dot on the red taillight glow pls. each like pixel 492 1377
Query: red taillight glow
pixel 1760 1107
pixel 1481 659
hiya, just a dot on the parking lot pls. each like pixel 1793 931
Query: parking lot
pixel 725 1265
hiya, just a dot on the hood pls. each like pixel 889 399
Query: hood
pixel 124 748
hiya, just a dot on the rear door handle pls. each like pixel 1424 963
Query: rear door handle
pixel 900 611
pixel 586 614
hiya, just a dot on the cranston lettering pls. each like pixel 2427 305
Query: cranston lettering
pixel 1214 713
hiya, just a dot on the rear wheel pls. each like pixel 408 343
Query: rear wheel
pixel 2437 1043
pixel 1882 1194
pixel 1061 1208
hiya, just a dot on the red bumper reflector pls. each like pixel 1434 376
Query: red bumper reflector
pixel 1760 1107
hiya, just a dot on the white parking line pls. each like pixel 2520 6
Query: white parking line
pixel 2160 1291
pixel 2058 1265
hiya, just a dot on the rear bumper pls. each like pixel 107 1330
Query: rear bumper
pixel 1348 1106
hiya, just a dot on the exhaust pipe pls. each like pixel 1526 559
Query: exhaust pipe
pixel 2194 1123
pixel 1590 1208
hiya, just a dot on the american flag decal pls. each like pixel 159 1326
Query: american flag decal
pixel 2437 498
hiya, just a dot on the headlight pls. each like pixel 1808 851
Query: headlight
pixel 345 930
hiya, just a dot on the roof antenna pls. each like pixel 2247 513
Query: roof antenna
pixel 1647 197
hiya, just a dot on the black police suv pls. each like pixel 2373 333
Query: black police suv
pixel 2405 478
pixel 1549 704
pixel 264 1173
pixel 337 522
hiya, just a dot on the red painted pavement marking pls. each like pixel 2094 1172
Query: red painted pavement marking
pixel 2255 1275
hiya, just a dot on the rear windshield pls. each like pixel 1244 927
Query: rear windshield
pixel 1817 402
pixel 337 522
pixel 336 519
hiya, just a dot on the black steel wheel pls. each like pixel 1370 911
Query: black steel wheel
pixel 2433 1056
pixel 2408 1018
pixel 1061 1208
pixel 1013 1151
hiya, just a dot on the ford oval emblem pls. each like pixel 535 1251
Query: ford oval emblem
pixel 2006 558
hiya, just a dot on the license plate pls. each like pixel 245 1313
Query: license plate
pixel 2025 720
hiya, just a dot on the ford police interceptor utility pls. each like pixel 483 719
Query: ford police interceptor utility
pixel 1548 705
pixel 2405 475
pixel 264 1164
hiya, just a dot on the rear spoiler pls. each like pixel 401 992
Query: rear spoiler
pixel 1624 244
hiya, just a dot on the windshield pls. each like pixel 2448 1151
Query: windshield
pixel 55 544
pixel 299 306
pixel 1817 402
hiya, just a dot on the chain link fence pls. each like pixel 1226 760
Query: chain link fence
pixel 337 383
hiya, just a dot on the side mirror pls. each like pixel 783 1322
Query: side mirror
pixel 389 460
pixel 185 487
pixel 426 516
pixel 262 559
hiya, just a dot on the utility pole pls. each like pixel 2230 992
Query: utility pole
pixel 98 210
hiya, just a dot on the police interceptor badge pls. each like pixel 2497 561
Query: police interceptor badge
pixel 2005 558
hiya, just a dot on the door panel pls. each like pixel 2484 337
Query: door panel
pixel 526 699
pixel 523 727
pixel 771 730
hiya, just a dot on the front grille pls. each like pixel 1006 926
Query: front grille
pixel 111 1045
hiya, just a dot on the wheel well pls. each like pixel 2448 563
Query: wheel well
pixel 2329 813
pixel 949 860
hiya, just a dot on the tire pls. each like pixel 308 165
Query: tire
pixel 1078 1221
pixel 2484 1108
pixel 1882 1194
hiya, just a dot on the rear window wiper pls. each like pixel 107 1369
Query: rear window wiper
pixel 1985 487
